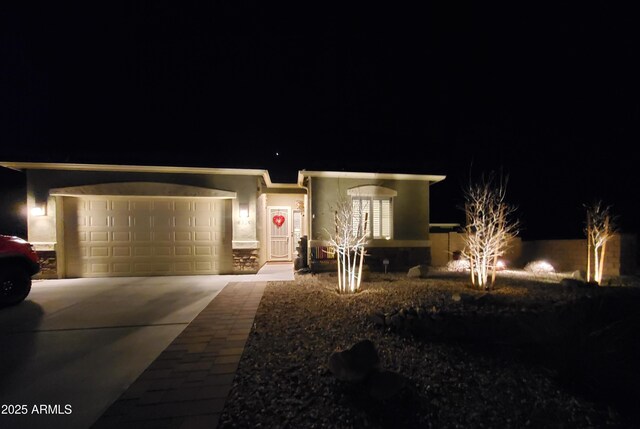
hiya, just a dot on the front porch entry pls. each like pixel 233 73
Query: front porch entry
pixel 280 237
pixel 281 225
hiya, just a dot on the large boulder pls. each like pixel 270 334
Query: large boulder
pixel 356 363
pixel 419 271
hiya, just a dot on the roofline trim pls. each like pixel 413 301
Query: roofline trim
pixel 132 168
pixel 363 175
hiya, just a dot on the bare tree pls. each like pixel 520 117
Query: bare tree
pixel 489 229
pixel 349 240
pixel 599 229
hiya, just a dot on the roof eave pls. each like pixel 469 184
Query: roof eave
pixel 432 178
pixel 130 168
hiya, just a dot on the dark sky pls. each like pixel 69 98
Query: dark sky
pixel 547 94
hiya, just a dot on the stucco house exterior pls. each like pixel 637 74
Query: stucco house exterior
pixel 93 220
pixel 397 207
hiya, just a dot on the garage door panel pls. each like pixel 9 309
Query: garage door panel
pixel 139 236
pixel 142 222
pixel 162 236
pixel 203 221
pixel 203 251
pixel 163 251
pixel 98 205
pixel 204 266
pixel 162 268
pixel 162 206
pixel 121 221
pixel 121 236
pixel 142 251
pixel 99 251
pixel 99 220
pixel 182 206
pixel 122 268
pixel 182 236
pixel 98 236
pixel 184 267
pixel 183 251
pixel 203 236
pixel 183 221
pixel 141 205
pixel 143 267
pixel 121 251
pixel 99 268
pixel 162 222
pixel 119 205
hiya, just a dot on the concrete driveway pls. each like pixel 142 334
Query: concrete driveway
pixel 75 345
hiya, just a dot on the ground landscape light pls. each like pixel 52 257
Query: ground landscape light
pixel 539 266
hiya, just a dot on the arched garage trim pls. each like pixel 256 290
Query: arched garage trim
pixel 142 189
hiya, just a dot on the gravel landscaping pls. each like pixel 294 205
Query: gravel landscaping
pixel 450 380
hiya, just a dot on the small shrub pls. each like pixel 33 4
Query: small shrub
pixel 539 267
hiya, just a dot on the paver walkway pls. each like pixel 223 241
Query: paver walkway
pixel 188 383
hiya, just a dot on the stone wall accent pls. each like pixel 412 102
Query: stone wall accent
pixel 246 261
pixel 48 265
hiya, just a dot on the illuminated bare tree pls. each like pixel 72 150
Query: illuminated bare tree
pixel 599 229
pixel 490 228
pixel 348 240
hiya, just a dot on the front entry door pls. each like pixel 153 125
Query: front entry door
pixel 279 227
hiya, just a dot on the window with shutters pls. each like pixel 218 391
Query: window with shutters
pixel 379 210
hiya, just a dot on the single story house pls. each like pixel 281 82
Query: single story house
pixel 94 220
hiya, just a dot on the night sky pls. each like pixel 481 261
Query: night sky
pixel 547 94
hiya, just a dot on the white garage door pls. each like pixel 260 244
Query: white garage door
pixel 145 236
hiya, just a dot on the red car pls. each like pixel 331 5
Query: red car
pixel 18 263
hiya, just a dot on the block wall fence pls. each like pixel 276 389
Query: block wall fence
pixel 564 255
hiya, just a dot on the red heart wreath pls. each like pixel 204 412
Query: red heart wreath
pixel 278 220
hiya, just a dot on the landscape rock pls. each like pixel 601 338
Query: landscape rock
pixel 419 271
pixel 377 319
pixel 579 275
pixel 396 321
pixel 356 363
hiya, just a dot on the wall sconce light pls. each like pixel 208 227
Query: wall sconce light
pixel 38 210
pixel 244 211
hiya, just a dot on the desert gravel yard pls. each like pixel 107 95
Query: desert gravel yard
pixel 450 379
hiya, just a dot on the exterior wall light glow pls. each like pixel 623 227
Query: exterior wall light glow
pixel 38 210
pixel 244 211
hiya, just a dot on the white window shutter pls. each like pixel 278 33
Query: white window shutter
pixel 385 216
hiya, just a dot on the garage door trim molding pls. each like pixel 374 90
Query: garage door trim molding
pixel 142 189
